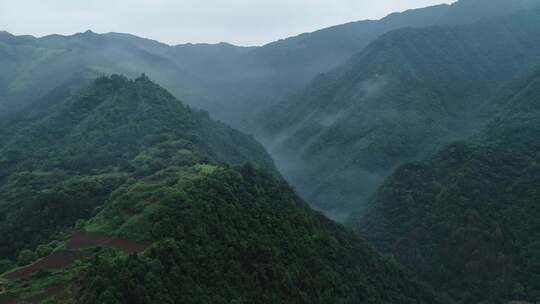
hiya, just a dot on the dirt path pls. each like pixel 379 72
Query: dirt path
pixel 6 299
pixel 83 239
pixel 64 258
pixel 79 240
pixel 51 291
pixel 56 260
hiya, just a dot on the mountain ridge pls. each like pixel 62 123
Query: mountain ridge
pixel 232 83
pixel 409 92
pixel 125 160
pixel 112 129
pixel 466 218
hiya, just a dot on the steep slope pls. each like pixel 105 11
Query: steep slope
pixel 266 75
pixel 468 218
pixel 39 65
pixel 237 236
pixel 135 168
pixel 233 83
pixel 407 93
pixel 92 141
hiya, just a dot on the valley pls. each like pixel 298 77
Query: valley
pixel 390 161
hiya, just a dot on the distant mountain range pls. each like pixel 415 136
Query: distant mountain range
pixel 407 93
pixel 233 83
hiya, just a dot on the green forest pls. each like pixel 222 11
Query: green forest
pixel 124 158
pixel 468 218
pixel 390 161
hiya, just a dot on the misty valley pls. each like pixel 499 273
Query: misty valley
pixel 390 161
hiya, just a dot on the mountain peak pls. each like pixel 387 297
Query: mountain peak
pixel 6 35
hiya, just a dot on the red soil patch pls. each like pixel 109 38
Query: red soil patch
pixel 62 259
pixel 56 260
pixel 83 239
pixel 6 299
pixel 51 291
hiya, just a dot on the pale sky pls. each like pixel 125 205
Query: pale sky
pixel 242 22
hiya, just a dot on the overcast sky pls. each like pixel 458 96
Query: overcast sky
pixel 243 22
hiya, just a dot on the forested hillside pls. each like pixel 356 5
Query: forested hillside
pixel 409 92
pixel 132 168
pixel 236 236
pixel 232 83
pixel 89 142
pixel 419 131
pixel 467 219
pixel 40 65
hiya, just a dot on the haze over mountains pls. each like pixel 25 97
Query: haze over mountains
pixel 233 86
pixel 118 186
pixel 468 217
pixel 409 92
pixel 237 84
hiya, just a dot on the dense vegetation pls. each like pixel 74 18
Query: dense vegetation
pixel 468 219
pixel 231 82
pixel 235 236
pixel 406 94
pixel 58 165
pixel 124 158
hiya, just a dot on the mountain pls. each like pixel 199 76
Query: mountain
pixel 467 219
pixel 119 193
pixel 38 65
pixel 257 243
pixel 232 83
pixel 272 72
pixel 407 93
pixel 94 139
